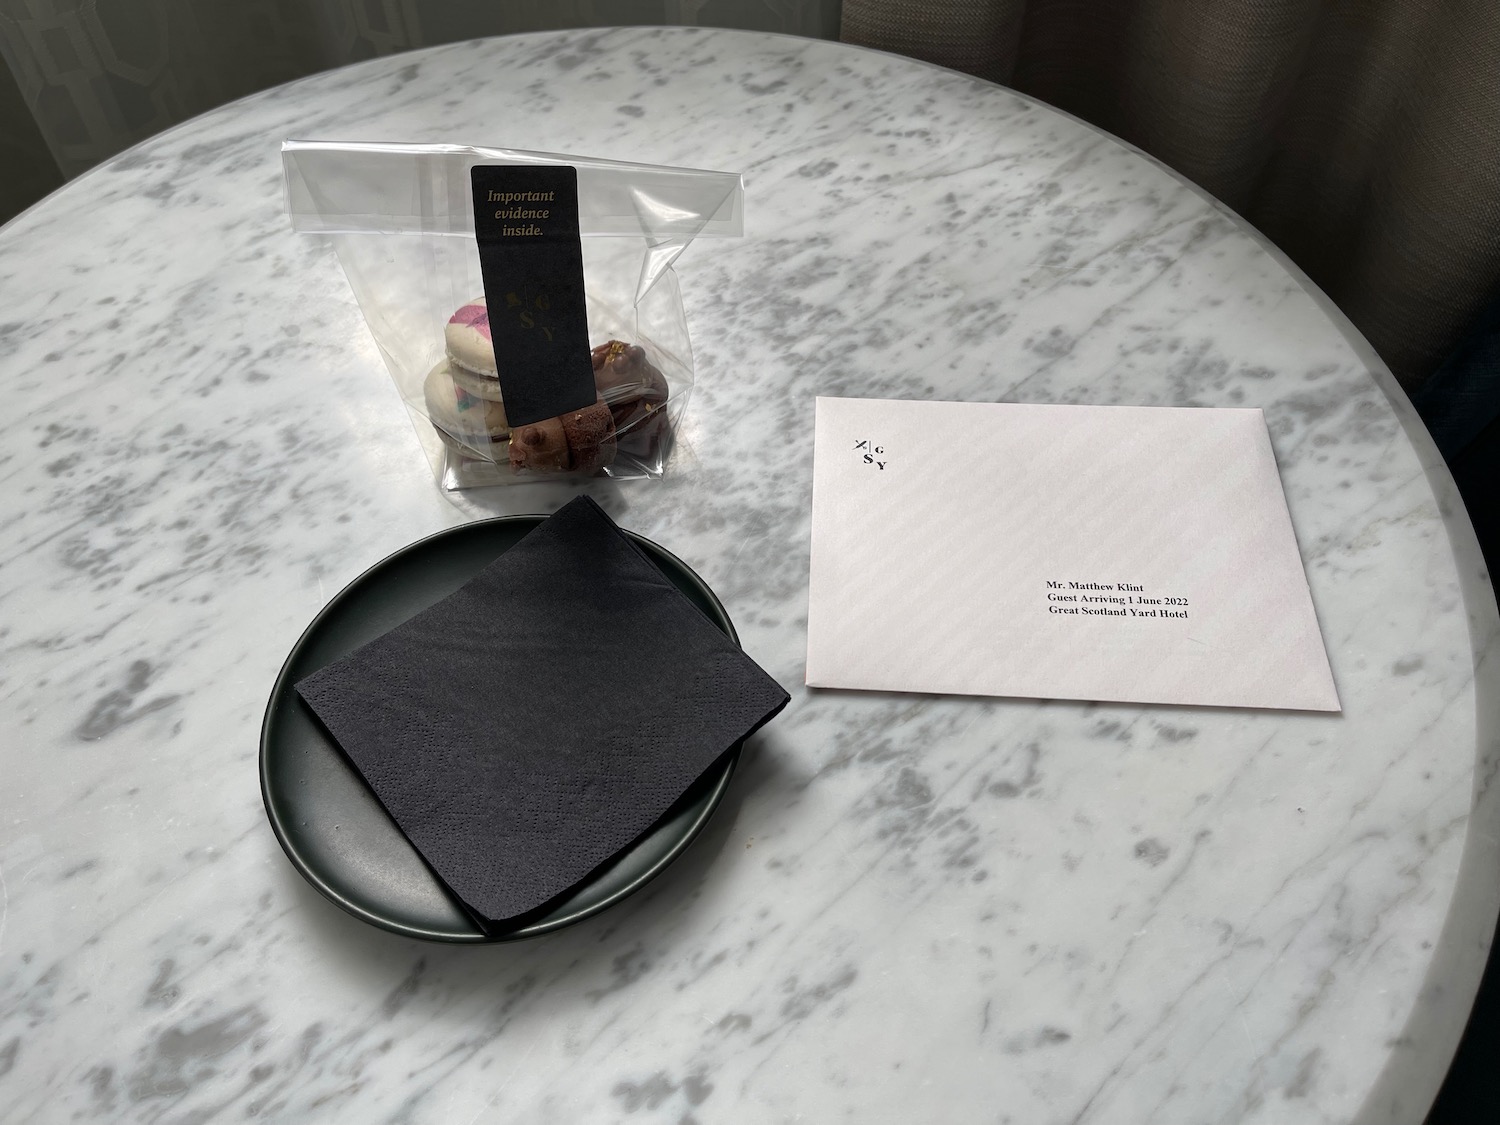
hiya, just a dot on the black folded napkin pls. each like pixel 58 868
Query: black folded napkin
pixel 525 729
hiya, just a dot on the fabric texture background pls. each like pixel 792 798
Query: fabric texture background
pixel 1362 136
pixel 91 77
pixel 29 170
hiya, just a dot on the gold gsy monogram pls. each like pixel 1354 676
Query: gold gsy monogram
pixel 531 308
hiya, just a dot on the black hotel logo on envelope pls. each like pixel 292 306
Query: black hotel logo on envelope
pixel 871 454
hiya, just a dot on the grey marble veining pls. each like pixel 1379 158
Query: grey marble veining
pixel 909 908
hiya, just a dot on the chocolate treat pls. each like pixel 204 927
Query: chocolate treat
pixel 591 437
pixel 636 393
pixel 623 369
pixel 541 446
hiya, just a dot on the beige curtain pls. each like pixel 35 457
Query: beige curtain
pixel 1362 136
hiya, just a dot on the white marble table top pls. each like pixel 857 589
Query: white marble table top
pixel 909 909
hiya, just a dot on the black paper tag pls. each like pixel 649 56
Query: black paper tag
pixel 531 258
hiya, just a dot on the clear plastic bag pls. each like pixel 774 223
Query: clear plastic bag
pixel 401 219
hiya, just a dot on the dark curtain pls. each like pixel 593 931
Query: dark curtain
pixel 1361 136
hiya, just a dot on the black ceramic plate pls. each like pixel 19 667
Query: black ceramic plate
pixel 330 824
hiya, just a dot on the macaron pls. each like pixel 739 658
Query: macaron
pixel 479 386
pixel 467 339
pixel 475 422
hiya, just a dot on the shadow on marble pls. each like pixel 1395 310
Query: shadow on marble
pixel 1086 705
pixel 618 498
pixel 539 498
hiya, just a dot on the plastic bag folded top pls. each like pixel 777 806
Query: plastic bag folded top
pixel 346 187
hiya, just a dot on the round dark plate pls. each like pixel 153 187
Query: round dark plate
pixel 329 822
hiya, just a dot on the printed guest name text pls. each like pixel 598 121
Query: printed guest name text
pixel 1112 599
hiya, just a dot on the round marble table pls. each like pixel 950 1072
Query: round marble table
pixel 909 908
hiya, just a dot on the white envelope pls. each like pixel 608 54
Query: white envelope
pixel 1120 553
